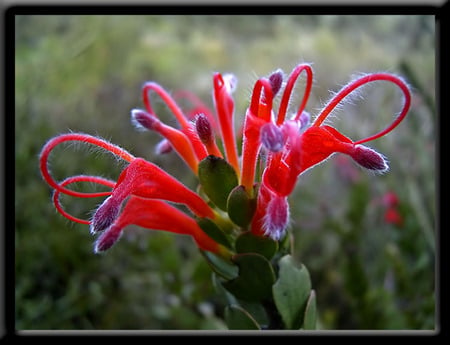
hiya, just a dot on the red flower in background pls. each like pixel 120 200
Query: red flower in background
pixel 285 147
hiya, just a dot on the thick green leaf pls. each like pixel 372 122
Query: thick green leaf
pixel 217 178
pixel 257 311
pixel 220 266
pixel 291 292
pixel 309 321
pixel 255 279
pixel 241 207
pixel 238 318
pixel 213 231
pixel 250 243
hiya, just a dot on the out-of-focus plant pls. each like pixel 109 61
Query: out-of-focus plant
pixel 239 214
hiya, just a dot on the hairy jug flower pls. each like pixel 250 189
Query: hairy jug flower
pixel 241 190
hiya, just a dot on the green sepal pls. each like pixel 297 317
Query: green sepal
pixel 291 292
pixel 222 267
pixel 217 178
pixel 213 231
pixel 247 242
pixel 241 207
pixel 309 320
pixel 255 278
pixel 238 318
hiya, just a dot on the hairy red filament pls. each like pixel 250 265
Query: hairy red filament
pixel 288 90
pixel 360 82
pixel 84 138
pixel 81 178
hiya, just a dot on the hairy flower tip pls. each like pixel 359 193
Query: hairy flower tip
pixel 305 120
pixel 105 215
pixel 230 81
pixel 277 218
pixel 369 159
pixel 107 239
pixel 272 137
pixel 276 81
pixel 143 120
pixel 203 128
pixel 163 147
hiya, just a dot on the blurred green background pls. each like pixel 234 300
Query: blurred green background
pixel 84 74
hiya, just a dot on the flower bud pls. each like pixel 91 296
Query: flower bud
pixel 143 120
pixel 107 239
pixel 105 215
pixel 369 159
pixel 276 81
pixel 272 137
pixel 203 128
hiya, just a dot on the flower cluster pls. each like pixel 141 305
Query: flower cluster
pixel 242 189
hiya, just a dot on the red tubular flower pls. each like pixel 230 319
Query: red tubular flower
pixel 315 144
pixel 144 179
pixel 156 215
pixel 140 180
pixel 289 147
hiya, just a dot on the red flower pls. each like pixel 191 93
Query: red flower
pixel 285 148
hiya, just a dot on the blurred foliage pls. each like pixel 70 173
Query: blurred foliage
pixel 84 73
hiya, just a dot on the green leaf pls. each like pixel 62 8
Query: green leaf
pixel 291 292
pixel 238 318
pixel 241 207
pixel 247 242
pixel 217 178
pixel 220 266
pixel 255 278
pixel 309 321
pixel 257 311
pixel 213 231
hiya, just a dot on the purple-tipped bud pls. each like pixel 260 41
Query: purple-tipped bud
pixel 369 159
pixel 163 147
pixel 277 218
pixel 105 215
pixel 107 239
pixel 272 137
pixel 305 119
pixel 203 128
pixel 276 81
pixel 143 120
